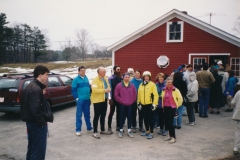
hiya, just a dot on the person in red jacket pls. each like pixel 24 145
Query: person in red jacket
pixel 125 94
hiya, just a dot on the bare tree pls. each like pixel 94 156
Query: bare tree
pixel 84 42
pixel 237 26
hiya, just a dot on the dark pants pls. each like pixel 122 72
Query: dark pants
pixel 100 110
pixel 125 111
pixel 203 101
pixel 196 106
pixel 111 113
pixel 37 141
pixel 161 117
pixel 148 117
pixel 134 116
pixel 169 113
pixel 155 119
pixel 190 111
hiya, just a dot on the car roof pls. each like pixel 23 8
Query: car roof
pixel 23 75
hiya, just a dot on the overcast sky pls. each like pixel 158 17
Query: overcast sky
pixel 111 20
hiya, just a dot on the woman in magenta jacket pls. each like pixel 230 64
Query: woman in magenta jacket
pixel 125 93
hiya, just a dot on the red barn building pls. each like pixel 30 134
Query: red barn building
pixel 180 37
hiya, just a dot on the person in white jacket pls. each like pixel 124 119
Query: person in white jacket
pixel 191 98
pixel 236 116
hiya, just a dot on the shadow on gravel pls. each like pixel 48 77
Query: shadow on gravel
pixel 63 107
pixel 16 116
pixel 10 117
pixel 6 157
pixel 234 157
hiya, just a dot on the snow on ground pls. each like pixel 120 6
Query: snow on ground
pixel 71 72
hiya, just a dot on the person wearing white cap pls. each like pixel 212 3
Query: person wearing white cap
pixel 147 102
pixel 219 64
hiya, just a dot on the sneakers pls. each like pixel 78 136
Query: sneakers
pixel 235 150
pixel 150 136
pixel 104 132
pixel 190 123
pixel 144 134
pixel 134 130
pixel 78 133
pixel 167 138
pixel 172 140
pixel 95 135
pixel 130 134
pixel 165 133
pixel 110 130
pixel 160 132
pixel 120 134
pixel 141 130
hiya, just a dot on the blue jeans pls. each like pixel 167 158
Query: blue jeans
pixel 125 111
pixel 179 118
pixel 203 101
pixel 83 106
pixel 37 141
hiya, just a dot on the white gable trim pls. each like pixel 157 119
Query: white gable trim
pixel 205 54
pixel 184 17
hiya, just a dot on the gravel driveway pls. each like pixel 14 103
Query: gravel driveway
pixel 211 138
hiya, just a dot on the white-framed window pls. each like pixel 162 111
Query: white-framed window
pixel 175 31
pixel 235 65
pixel 198 61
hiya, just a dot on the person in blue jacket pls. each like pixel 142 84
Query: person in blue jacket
pixel 81 93
pixel 136 81
pixel 229 90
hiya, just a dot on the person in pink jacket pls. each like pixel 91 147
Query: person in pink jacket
pixel 125 94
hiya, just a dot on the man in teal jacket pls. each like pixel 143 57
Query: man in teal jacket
pixel 81 92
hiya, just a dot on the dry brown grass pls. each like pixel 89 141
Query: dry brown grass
pixel 51 66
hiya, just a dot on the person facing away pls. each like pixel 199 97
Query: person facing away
pixel 99 98
pixel 81 93
pixel 136 81
pixel 113 81
pixel 224 74
pixel 181 85
pixel 191 98
pixel 229 90
pixel 125 94
pixel 205 78
pixel 147 102
pixel 236 116
pixel 216 96
pixel 36 112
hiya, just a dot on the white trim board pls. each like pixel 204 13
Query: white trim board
pixel 205 54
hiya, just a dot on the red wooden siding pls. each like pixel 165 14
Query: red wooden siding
pixel 142 53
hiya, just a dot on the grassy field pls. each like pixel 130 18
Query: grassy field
pixel 51 66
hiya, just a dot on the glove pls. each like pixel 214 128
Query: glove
pixel 139 106
pixel 111 103
pixel 154 107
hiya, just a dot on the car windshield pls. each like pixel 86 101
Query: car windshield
pixel 8 83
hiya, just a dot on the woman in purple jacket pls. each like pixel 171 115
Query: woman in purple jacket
pixel 125 93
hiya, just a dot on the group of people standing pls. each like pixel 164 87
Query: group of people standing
pixel 131 93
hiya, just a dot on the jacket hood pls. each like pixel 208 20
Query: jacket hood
pixel 192 76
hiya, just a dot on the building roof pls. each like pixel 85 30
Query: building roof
pixel 180 15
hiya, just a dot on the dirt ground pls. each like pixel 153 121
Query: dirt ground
pixel 211 139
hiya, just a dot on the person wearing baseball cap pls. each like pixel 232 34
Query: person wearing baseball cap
pixel 147 102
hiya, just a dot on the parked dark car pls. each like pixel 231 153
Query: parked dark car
pixel 58 91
